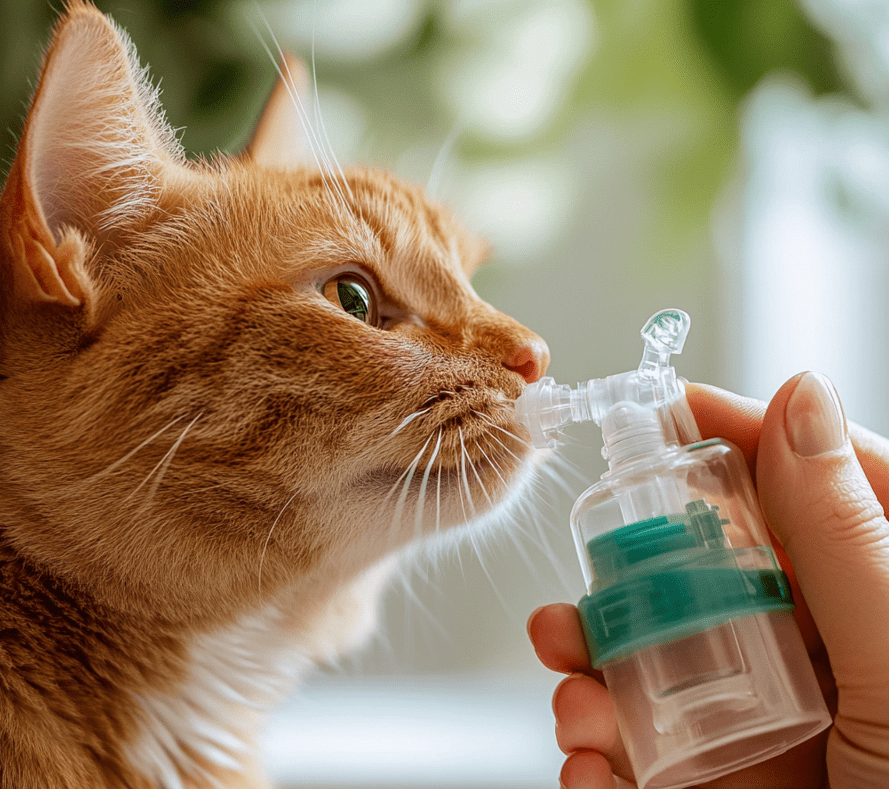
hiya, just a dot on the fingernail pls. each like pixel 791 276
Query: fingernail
pixel 813 417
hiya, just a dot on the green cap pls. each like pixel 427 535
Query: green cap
pixel 669 577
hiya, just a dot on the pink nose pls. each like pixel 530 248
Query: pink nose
pixel 529 360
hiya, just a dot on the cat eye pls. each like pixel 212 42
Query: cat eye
pixel 353 295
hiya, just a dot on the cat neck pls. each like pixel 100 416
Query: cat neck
pixel 94 696
pixel 69 668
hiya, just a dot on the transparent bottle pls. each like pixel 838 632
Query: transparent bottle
pixel 687 613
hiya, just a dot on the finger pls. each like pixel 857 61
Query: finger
pixel 873 454
pixel 819 503
pixel 558 639
pixel 738 419
pixel 586 770
pixel 585 720
pixel 723 414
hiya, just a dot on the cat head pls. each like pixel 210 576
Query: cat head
pixel 222 378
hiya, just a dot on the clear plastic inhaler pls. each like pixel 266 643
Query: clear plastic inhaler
pixel 687 613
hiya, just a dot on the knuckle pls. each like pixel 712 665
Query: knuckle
pixel 850 513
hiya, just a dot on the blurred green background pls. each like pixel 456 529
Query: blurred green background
pixel 692 59
pixel 730 157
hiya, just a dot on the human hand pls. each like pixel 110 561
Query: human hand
pixel 824 488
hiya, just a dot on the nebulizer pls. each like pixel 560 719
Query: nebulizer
pixel 687 612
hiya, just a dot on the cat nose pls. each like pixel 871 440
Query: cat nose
pixel 529 359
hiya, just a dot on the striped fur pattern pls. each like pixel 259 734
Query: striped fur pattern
pixel 207 465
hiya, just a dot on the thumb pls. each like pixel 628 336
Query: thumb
pixel 819 504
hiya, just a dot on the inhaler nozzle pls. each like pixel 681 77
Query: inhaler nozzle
pixel 545 406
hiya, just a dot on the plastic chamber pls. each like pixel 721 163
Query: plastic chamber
pixel 687 611
pixel 690 618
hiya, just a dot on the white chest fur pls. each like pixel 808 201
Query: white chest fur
pixel 208 727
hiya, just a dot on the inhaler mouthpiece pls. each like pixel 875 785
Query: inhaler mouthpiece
pixel 545 407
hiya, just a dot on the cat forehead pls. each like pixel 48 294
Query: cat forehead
pixel 367 218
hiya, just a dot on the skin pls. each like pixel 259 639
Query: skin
pixel 826 509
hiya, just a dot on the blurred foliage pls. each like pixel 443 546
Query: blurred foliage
pixel 213 73
pixel 748 39
pixel 682 64
pixel 686 65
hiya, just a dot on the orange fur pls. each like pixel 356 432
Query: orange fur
pixel 193 436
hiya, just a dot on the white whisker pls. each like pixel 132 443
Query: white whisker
pixel 558 481
pixel 268 538
pixel 494 465
pixel 421 500
pixel 487 572
pixel 438 502
pixel 408 419
pixel 417 601
pixel 447 147
pixel 478 476
pixel 405 488
pixel 320 117
pixel 464 475
pixel 162 464
pixel 486 418
pixel 401 476
pixel 290 86
pixel 571 468
pixel 145 443
pixel 505 448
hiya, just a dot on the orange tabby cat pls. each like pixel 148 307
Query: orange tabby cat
pixel 230 392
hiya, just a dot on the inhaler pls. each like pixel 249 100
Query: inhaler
pixel 687 613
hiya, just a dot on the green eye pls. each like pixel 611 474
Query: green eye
pixel 354 298
pixel 352 295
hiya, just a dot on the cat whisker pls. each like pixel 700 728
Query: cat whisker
pixel 558 480
pixel 405 487
pixel 288 82
pixel 145 443
pixel 562 570
pixel 481 560
pixel 438 165
pixel 541 526
pixel 459 487
pixel 317 146
pixel 401 476
pixel 320 117
pixel 478 476
pixel 571 468
pixel 421 500
pixel 268 538
pixel 290 86
pixel 438 502
pixel 505 448
pixel 534 568
pixel 163 464
pixel 484 417
pixel 408 419
pixel 416 601
pixel 494 465
pixel 464 476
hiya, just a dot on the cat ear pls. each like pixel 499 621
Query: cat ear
pixel 280 140
pixel 90 159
